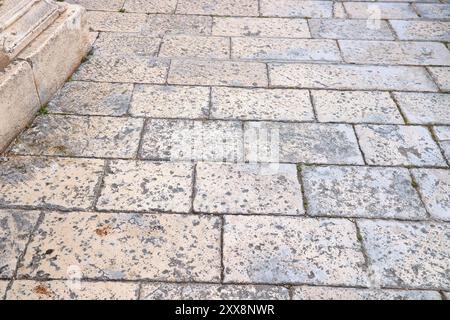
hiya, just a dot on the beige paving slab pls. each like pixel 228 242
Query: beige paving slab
pixel 261 104
pixel 125 68
pixel 293 8
pixel 197 291
pixel 16 227
pixel 433 10
pixel 434 186
pixel 218 7
pixel 301 143
pixel 3 286
pixel 195 47
pixel 101 5
pixel 285 49
pixel 266 249
pixel 218 73
pixel 379 10
pixel 170 102
pixel 43 182
pixel 116 21
pixel 147 186
pixel 260 27
pixel 72 290
pixel 394 52
pixel 150 6
pixel 422 30
pixel 350 29
pixel 114 43
pixel 355 107
pixel 441 75
pixel 398 145
pixel 350 77
pixel 92 98
pixel 339 11
pixel 57 135
pixel 159 25
pixel 334 293
pixel 247 189
pixel 189 140
pixel 424 108
pixel 370 192
pixel 125 246
pixel 402 254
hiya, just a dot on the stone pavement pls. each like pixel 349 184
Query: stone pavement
pixel 276 149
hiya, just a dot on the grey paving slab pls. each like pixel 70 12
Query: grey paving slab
pixel 350 29
pixel 159 25
pixel 422 30
pixel 293 8
pixel 116 21
pixel 442 77
pixel 150 6
pixel 218 7
pixel 187 46
pixel 106 5
pixel 379 10
pixel 114 43
pixel 433 10
pixel 443 135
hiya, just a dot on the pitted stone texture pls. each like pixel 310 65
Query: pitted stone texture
pixel 285 49
pixel 402 254
pixel 442 77
pixel 361 192
pixel 443 135
pixel 218 73
pixel 116 21
pixel 422 30
pixel 147 186
pixel 126 246
pixel 67 290
pixel 248 189
pixel 434 186
pixel 55 135
pixel 160 25
pixel 260 27
pixel 150 6
pixel 170 102
pixel 261 104
pixel 194 291
pixel 350 77
pixel 91 98
pixel 371 10
pixel 195 47
pixel 433 11
pixel 106 5
pixel 292 250
pixel 109 43
pixel 333 293
pixel 424 108
pixel 294 8
pixel 15 229
pixel 301 143
pixel 355 107
pixel 218 7
pixel 392 53
pixel 55 182
pixel 189 140
pixel 350 29
pixel 123 69
pixel 398 145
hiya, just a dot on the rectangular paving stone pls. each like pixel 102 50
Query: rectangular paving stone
pixel 150 6
pixel 170 102
pixel 390 52
pixel 285 49
pixel 442 77
pixel 147 186
pixel 402 254
pixel 350 29
pixel 218 7
pixel 350 77
pixel 398 145
pixel 260 27
pixel 15 229
pixel 261 104
pixel 159 25
pixel 92 98
pixel 266 249
pixel 56 135
pixel 361 192
pixel 379 10
pixel 335 293
pixel 232 188
pixel 218 73
pixel 67 290
pixel 115 21
pixel 443 135
pixel 195 47
pixel 189 140
pixel 198 291
pixel 424 108
pixel 125 246
pixel 100 5
pixel 422 30
pixel 434 186
pixel 355 107
pixel 109 43
pixel 294 8
pixel 44 182
pixel 433 10
pixel 128 68
pixel 301 143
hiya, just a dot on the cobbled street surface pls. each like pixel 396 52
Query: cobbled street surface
pixel 271 149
